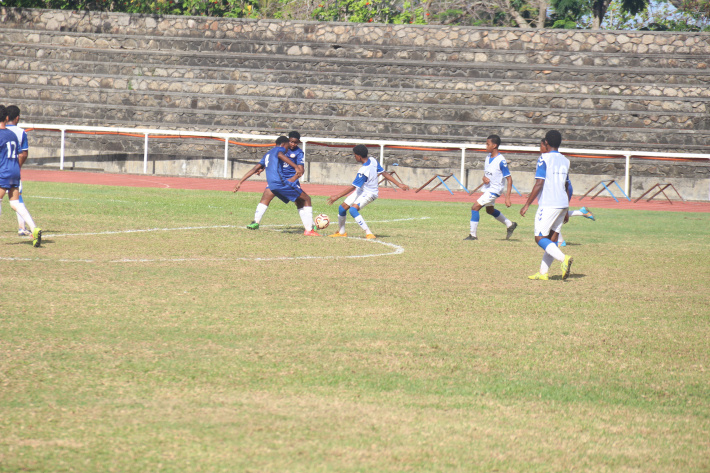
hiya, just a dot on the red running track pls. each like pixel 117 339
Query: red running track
pixel 139 180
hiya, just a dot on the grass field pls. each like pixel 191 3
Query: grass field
pixel 153 332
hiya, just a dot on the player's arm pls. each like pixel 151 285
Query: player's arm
pixel 22 157
pixel 299 173
pixel 508 189
pixel 335 197
pixel 287 160
pixel 255 170
pixel 394 181
pixel 568 189
pixel 533 195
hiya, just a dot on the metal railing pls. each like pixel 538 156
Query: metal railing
pixel 226 137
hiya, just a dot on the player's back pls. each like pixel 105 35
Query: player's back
pixel 21 136
pixel 9 165
pixel 554 166
pixel 272 165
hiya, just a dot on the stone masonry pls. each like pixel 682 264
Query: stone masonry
pixel 644 91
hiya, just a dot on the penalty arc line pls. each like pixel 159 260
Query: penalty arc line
pixel 396 248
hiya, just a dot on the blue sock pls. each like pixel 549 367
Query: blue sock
pixel 475 216
pixel 495 213
pixel 545 242
pixel 354 212
pixel 341 211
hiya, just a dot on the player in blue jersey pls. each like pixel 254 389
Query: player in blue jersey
pixel 363 191
pixel 293 174
pixel 496 172
pixel 13 113
pixel 285 189
pixel 10 163
pixel 551 184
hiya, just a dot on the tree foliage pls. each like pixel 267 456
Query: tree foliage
pixel 687 15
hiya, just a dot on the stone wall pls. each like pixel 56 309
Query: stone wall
pixel 609 90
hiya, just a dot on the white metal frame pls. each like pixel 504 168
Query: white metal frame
pixel 627 154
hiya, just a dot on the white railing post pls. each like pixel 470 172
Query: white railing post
pixel 145 155
pixel 61 152
pixel 382 159
pixel 226 155
pixel 464 184
pixel 306 167
pixel 627 176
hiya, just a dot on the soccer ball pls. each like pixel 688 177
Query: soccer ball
pixel 322 221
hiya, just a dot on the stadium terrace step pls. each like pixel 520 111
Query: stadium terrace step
pixel 268 76
pixel 225 50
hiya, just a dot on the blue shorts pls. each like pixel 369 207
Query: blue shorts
pixel 286 191
pixel 9 182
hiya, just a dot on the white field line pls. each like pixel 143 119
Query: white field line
pixel 396 249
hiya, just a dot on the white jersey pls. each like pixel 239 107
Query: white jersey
pixel 495 169
pixel 553 168
pixel 366 179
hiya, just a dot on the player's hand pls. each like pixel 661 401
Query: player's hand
pixel 404 187
pixel 236 188
pixel 566 218
pixel 330 200
pixel 507 202
pixel 486 180
pixel 523 210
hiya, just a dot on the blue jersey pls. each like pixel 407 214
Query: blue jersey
pixel 277 183
pixel 9 165
pixel 272 165
pixel 296 156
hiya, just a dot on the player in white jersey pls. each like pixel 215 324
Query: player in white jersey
pixel 551 180
pixel 13 113
pixel 496 173
pixel 363 191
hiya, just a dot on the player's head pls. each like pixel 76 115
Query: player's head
pixel 543 146
pixel 553 138
pixel 294 138
pixel 493 139
pixel 492 143
pixel 281 141
pixel 360 150
pixel 13 112
pixel 3 114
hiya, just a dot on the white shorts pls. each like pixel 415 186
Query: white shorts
pixel 548 219
pixel 360 198
pixel 488 198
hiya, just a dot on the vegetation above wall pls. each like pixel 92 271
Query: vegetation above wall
pixel 660 15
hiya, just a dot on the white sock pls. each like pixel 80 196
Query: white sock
pixel 560 238
pixel 546 262
pixel 474 228
pixel 20 221
pixel 341 223
pixel 575 213
pixel 502 219
pixel 306 214
pixel 555 252
pixel 22 211
pixel 260 211
pixel 361 221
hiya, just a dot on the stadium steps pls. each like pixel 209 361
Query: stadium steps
pixel 406 92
